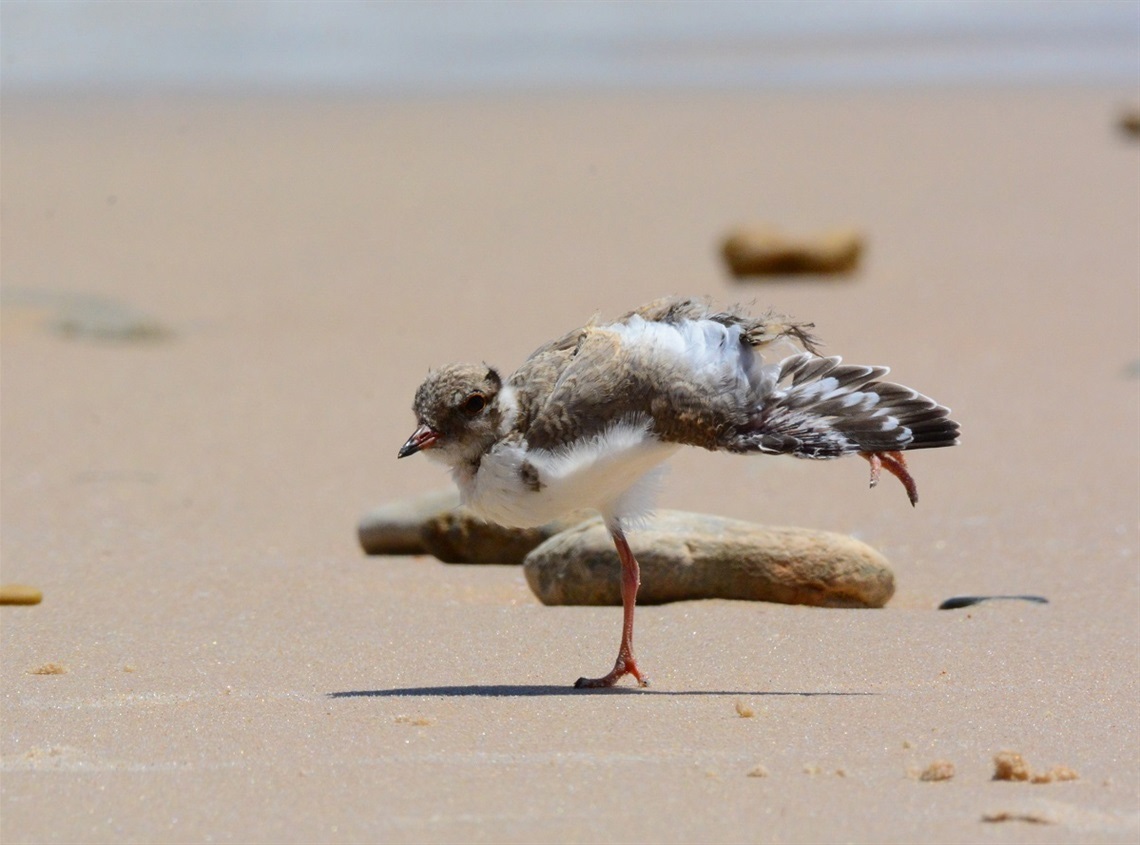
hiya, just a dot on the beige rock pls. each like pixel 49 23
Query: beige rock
pixel 436 524
pixel 763 250
pixel 697 556
pixel 457 536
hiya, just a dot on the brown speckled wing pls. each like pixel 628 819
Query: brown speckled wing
pixel 580 391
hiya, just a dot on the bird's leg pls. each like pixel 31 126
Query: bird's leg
pixel 630 580
pixel 895 464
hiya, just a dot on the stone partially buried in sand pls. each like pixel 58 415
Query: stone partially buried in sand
pixel 697 556
pixel 96 318
pixel 763 250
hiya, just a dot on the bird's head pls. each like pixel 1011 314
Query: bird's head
pixel 458 413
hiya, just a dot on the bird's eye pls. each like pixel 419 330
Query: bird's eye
pixel 475 403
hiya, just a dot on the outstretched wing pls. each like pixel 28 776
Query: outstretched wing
pixel 687 381
pixel 823 408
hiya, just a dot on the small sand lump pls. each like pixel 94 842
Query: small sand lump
pixel 744 711
pixel 1009 765
pixel 758 772
pixel 1057 773
pixel 938 770
pixel 49 669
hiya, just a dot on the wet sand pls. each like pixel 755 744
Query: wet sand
pixel 186 493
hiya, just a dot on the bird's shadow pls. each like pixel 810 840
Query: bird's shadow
pixel 532 690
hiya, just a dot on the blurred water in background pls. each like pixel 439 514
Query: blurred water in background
pixel 488 45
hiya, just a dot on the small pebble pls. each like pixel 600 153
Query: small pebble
pixel 697 556
pixel 744 711
pixel 20 594
pixel 763 250
pixel 758 772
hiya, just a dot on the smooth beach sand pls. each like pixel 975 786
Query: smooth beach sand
pixel 215 313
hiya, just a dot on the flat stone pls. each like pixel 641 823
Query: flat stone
pixel 96 318
pixel 457 536
pixel 436 524
pixel 697 556
pixel 395 528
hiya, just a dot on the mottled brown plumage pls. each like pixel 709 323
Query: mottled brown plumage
pixel 588 416
pixel 563 395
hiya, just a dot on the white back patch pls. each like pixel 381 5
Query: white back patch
pixel 712 353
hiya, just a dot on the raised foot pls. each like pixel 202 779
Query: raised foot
pixel 622 668
pixel 895 464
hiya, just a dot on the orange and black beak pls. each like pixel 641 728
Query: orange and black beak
pixel 423 437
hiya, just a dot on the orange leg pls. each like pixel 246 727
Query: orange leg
pixel 895 464
pixel 630 581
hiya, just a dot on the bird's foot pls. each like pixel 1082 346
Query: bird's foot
pixel 624 666
pixel 895 464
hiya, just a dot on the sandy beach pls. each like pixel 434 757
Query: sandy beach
pixel 215 313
